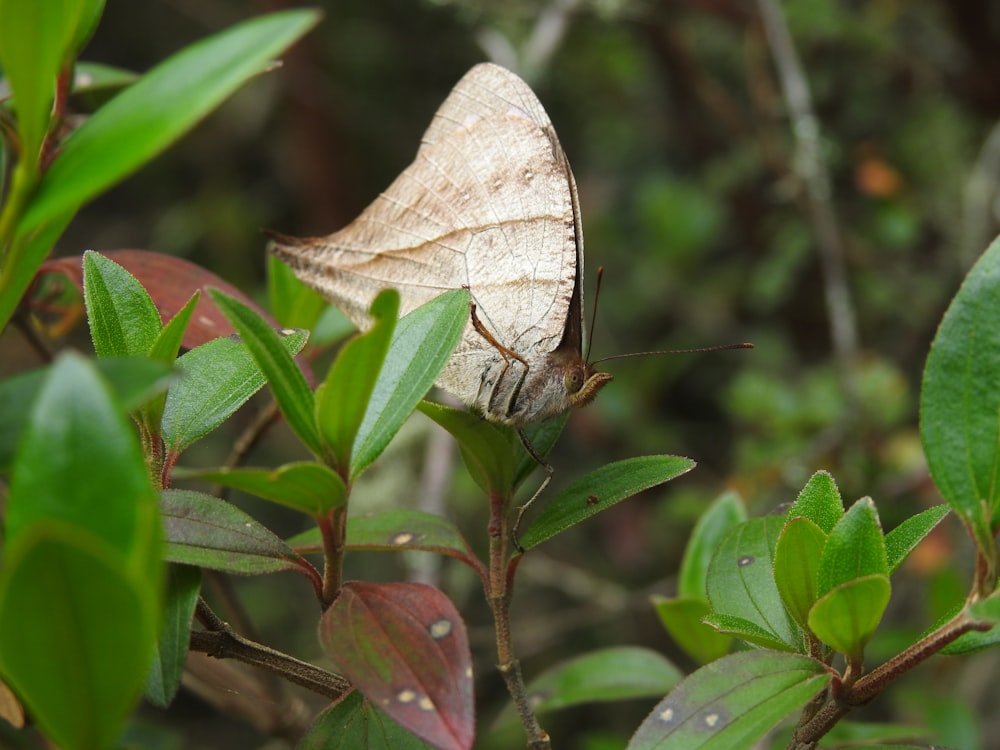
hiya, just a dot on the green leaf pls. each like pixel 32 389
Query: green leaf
pixel 76 633
pixel 960 399
pixel 741 581
pixel 168 340
pixel 746 630
pixel 288 384
pixel 307 486
pixel 487 449
pixel 846 617
pixel 217 379
pixel 542 436
pixel 123 319
pixel 343 396
pixel 132 380
pixel 396 530
pixel 80 462
pixel 421 345
pixel 731 703
pixel 91 76
pixel 352 722
pixel 154 112
pixel 854 549
pixel 164 678
pixel 682 617
pixel 600 490
pixel 36 40
pixel 901 541
pixel 609 674
pixel 725 513
pixel 819 501
pixel 796 566
pixel 292 303
pixel 165 349
pixel 210 533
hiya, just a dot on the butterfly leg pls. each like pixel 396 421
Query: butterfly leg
pixel 545 483
pixel 507 354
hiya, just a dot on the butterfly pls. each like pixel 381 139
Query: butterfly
pixel 489 204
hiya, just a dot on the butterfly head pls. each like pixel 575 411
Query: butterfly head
pixel 583 383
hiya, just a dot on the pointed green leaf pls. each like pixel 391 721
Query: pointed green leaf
pixel 164 678
pixel 488 449
pixel 682 617
pixel 724 514
pixel 307 486
pixel 217 378
pixel 76 633
pixel 210 533
pixel 123 319
pixel 731 703
pixel 168 341
pixel 854 549
pixel 609 674
pixel 353 722
pixel 421 345
pixel 901 541
pixel 819 501
pixel 80 462
pixel 960 399
pixel 600 490
pixel 846 617
pixel 796 566
pixel 343 396
pixel 405 647
pixel 155 111
pixel 741 581
pixel 288 384
pixel 165 349
pixel 744 629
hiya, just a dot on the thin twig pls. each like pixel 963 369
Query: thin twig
pixel 222 642
pixel 811 168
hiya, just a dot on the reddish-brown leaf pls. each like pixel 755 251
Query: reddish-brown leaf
pixel 169 280
pixel 404 646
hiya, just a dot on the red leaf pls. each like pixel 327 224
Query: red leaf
pixel 404 646
pixel 169 280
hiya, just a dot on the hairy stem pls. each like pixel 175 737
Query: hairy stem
pixel 499 596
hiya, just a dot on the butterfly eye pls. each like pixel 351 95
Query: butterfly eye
pixel 573 380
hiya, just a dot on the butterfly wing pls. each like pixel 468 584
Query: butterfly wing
pixel 488 203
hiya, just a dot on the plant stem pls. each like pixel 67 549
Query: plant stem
pixel 333 528
pixel 866 687
pixel 221 642
pixel 499 596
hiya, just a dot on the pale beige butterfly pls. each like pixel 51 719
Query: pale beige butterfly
pixel 489 204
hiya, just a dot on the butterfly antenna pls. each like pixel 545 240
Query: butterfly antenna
pixel 700 350
pixel 593 313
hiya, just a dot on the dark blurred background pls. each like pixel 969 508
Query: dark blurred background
pixel 675 121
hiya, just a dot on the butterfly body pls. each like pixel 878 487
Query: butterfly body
pixel 489 204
